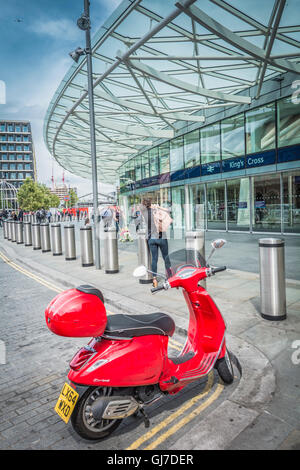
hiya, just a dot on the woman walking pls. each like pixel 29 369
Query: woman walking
pixel 157 220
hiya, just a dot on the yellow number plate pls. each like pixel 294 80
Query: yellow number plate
pixel 66 402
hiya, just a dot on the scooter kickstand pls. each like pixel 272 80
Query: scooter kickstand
pixel 145 417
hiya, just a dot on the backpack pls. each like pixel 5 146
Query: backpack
pixel 162 219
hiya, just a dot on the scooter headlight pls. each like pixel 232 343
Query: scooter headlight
pixel 97 364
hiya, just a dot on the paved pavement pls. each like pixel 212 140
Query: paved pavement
pixel 259 411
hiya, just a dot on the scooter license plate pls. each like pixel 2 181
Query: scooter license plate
pixel 66 403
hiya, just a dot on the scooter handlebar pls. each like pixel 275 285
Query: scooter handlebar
pixel 157 289
pixel 218 270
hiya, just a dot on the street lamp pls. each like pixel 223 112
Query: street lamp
pixel 84 24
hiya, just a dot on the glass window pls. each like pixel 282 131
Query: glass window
pixel 138 168
pixel 10 128
pixel 26 157
pixel 210 143
pixel 18 138
pixel 3 138
pixel 192 149
pixel 2 127
pixel 10 138
pixel 12 166
pixel 238 204
pixel 291 202
pixel 4 156
pixel 216 206
pixel 20 176
pixel 288 113
pixel 266 200
pixel 12 156
pixel 177 212
pixel 13 176
pixel 197 206
pixel 233 137
pixel 18 128
pixel 164 157
pixel 145 165
pixel 176 154
pixel 28 175
pixel 3 147
pixel 260 129
pixel 153 161
pixel 20 157
pixel 25 138
pixel 4 166
pixel 25 128
pixel 26 147
pixel 19 148
pixel 20 166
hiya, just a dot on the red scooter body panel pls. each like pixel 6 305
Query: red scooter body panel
pixel 76 314
pixel 132 362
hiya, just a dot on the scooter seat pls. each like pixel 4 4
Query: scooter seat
pixel 129 326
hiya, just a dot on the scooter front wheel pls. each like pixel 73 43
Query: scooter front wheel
pixel 225 369
pixel 83 421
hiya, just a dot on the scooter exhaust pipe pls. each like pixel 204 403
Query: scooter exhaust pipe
pixel 114 407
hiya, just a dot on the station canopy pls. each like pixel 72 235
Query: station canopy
pixel 159 62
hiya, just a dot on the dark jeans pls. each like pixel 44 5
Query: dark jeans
pixel 154 244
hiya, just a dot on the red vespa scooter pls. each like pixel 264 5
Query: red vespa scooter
pixel 126 365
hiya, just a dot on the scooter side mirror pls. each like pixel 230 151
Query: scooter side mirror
pixel 140 271
pixel 218 243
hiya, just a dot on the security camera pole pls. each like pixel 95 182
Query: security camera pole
pixel 84 24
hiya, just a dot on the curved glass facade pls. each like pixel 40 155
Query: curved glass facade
pixel 241 173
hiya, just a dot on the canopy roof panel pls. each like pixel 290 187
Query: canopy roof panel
pixel 156 63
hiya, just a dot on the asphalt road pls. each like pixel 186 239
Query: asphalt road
pixel 36 368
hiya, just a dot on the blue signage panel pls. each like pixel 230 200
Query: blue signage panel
pixel 289 154
pixel 260 159
pixel 210 168
pixel 233 164
pixel 193 172
pixel 178 175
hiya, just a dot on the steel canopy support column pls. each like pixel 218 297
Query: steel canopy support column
pixel 92 133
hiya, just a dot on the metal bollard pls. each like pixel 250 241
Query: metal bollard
pixel 195 241
pixel 27 233
pixel 86 243
pixel 9 229
pixel 13 230
pixel 56 239
pixel 19 232
pixel 5 229
pixel 111 258
pixel 45 237
pixel 70 247
pixel 144 256
pixel 272 279
pixel 36 236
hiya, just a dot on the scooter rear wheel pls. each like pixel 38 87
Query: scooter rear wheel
pixel 82 418
pixel 225 369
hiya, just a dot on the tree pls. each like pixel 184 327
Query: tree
pixel 73 198
pixel 33 196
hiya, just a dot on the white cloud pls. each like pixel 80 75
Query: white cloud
pixel 57 29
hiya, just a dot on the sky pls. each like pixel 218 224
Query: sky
pixel 36 37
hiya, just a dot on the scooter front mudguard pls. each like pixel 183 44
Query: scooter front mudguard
pixel 123 363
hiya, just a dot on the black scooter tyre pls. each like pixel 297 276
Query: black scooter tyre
pixel 225 369
pixel 79 423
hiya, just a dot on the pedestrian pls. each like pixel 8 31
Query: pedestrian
pixel 49 216
pixel 106 215
pixel 77 214
pixel 20 215
pixel 86 221
pixel 157 221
